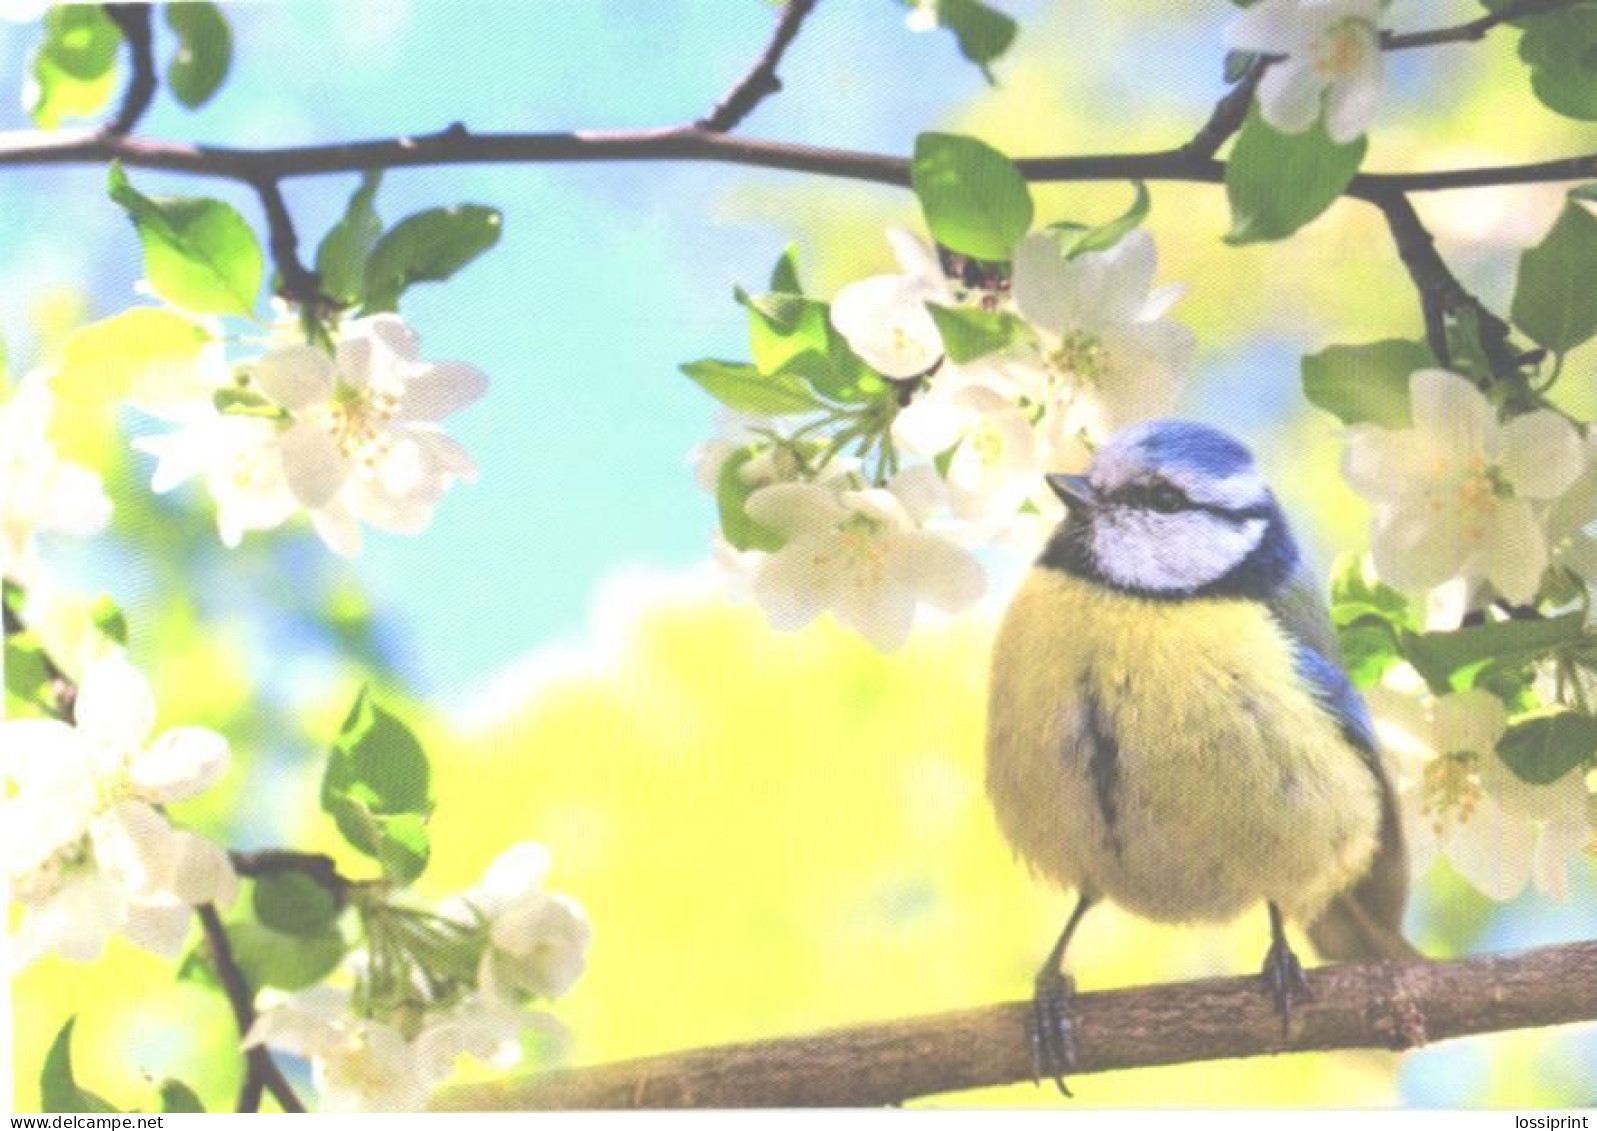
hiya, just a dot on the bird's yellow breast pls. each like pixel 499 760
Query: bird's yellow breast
pixel 1166 754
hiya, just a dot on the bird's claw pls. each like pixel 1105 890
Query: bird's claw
pixel 1284 979
pixel 1051 1029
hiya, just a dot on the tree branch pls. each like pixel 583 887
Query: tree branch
pixel 1472 31
pixel 299 284
pixel 1229 114
pixel 262 1072
pixel 761 80
pixel 134 22
pixel 1378 1005
pixel 277 861
pixel 1441 294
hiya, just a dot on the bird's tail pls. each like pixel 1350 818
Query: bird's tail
pixel 1366 921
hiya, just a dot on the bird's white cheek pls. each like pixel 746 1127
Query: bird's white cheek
pixel 1171 553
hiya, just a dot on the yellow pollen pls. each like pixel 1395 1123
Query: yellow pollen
pixel 1339 51
pixel 1451 787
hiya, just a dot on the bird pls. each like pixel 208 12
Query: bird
pixel 1170 727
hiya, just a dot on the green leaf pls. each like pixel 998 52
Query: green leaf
pixel 377 771
pixel 790 334
pixel 177 1096
pixel 74 69
pixel 784 276
pixel 1105 236
pixel 983 32
pixel 1355 596
pixel 731 493
pixel 1279 182
pixel 1584 192
pixel 973 197
pixel 109 620
pixel 740 385
pixel 273 958
pixel 1544 748
pixel 1560 48
pixel 403 846
pixel 294 903
pixel 969 333
pixel 1368 650
pixel 427 247
pixel 199 253
pixel 1367 384
pixel 233 401
pixel 341 257
pixel 1555 299
pixel 58 1088
pixel 204 51
pixel 27 672
pixel 1444 658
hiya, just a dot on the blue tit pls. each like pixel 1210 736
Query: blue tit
pixel 1169 725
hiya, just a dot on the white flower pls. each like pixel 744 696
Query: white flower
pixel 1460 799
pixel 1454 492
pixel 1111 358
pixel 240 461
pixel 1332 52
pixel 537 940
pixel 922 15
pixel 884 317
pixel 87 850
pixel 363 443
pixel 39 491
pixel 996 460
pixel 860 554
pixel 361 1064
pixel 23 11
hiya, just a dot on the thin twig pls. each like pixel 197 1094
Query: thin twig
pixel 300 284
pixel 761 79
pixel 278 861
pixel 261 1071
pixel 1442 296
pixel 1472 31
pixel 134 22
pixel 1377 1005
pixel 1229 113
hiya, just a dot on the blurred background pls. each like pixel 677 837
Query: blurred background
pixel 771 833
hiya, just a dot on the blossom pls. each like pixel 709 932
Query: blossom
pixel 1110 356
pixel 863 555
pixel 362 1064
pixel 39 491
pixel 88 851
pixel 537 940
pixel 1454 493
pixel 996 457
pixel 239 459
pixel 1332 52
pixel 884 317
pixel 362 443
pixel 1461 800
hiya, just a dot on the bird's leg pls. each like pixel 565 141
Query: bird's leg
pixel 1051 1029
pixel 1283 973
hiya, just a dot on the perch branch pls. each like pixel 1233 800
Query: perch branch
pixel 1378 1005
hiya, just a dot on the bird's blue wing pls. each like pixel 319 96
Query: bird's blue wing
pixel 1365 921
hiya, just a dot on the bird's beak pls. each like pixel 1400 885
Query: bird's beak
pixel 1074 491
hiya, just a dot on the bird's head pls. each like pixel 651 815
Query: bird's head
pixel 1170 508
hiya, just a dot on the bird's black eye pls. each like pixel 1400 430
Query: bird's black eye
pixel 1161 497
pixel 1166 499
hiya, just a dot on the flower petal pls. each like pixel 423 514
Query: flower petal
pixel 181 763
pixel 795 509
pixel 1514 551
pixel 883 612
pixel 135 847
pixel 1452 414
pixel 517 872
pixel 115 705
pixel 437 390
pixel 1289 96
pixel 1352 103
pixel 1129 267
pixel 295 376
pixel 886 322
pixel 938 572
pixel 1274 27
pixel 158 927
pixel 312 463
pixel 1417 546
pixel 201 871
pixel 1542 455
pixel 1468 722
pixel 797 583
pixel 1051 291
pixel 1492 850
